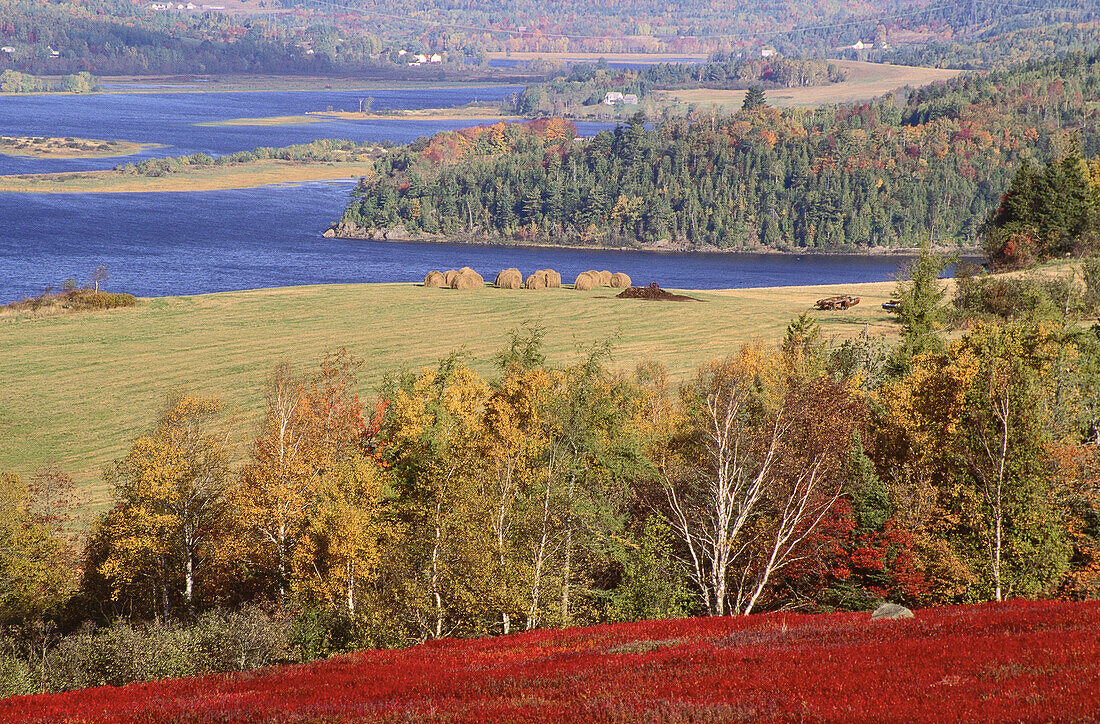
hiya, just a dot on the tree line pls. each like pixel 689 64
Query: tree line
pixel 847 177
pixel 804 475
pixel 119 37
pixel 587 84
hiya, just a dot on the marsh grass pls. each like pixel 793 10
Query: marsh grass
pixel 196 178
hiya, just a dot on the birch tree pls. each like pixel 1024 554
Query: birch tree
pixel 751 473
pixel 171 504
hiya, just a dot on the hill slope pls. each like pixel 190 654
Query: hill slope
pixel 80 404
pixel 996 662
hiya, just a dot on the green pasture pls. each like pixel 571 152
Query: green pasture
pixel 76 388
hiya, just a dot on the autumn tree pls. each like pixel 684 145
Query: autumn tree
pixel 1001 441
pixel 36 552
pixel 170 509
pixel 753 472
pixel 312 426
pixel 593 455
pixel 433 433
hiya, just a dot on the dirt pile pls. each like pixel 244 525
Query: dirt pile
pixel 653 292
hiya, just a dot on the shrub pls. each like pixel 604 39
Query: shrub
pixel 986 296
pixel 89 299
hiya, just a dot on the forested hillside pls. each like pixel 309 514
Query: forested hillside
pixel 335 36
pixel 880 174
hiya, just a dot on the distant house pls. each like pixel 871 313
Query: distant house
pixel 767 53
pixel 436 58
pixel 53 53
pixel 630 99
pixel 7 49
pixel 612 98
pixel 421 58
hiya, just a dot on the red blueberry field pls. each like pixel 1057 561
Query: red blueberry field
pixel 1015 661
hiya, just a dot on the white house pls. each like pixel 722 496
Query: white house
pixel 7 49
pixel 612 98
pixel 436 58
pixel 630 99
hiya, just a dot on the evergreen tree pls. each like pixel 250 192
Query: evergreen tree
pixel 754 98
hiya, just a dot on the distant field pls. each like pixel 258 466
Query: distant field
pixel 78 387
pixel 198 178
pixel 865 82
pixel 610 57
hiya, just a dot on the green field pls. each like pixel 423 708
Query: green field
pixel 77 387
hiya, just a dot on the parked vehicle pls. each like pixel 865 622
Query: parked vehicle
pixel 842 301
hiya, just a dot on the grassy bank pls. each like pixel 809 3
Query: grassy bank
pixel 46 147
pixel 79 387
pixel 461 113
pixel 199 178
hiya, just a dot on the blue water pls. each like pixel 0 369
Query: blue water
pixel 170 118
pixel 189 243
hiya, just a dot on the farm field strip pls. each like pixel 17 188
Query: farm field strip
pixel 78 387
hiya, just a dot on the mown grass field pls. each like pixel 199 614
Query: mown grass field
pixel 865 82
pixel 76 388
pixel 196 178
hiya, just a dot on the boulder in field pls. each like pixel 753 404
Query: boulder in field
pixel 891 612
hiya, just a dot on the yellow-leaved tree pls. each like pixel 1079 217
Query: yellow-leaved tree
pixel 304 480
pixel 158 540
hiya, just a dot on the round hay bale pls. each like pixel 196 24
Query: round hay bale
pixel 435 279
pixel 586 281
pixel 536 281
pixel 509 279
pixel 605 278
pixel 467 278
pixel 553 279
pixel 449 277
pixel 620 280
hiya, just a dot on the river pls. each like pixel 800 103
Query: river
pixel 190 243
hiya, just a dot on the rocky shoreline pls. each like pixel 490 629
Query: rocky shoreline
pixel 343 230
